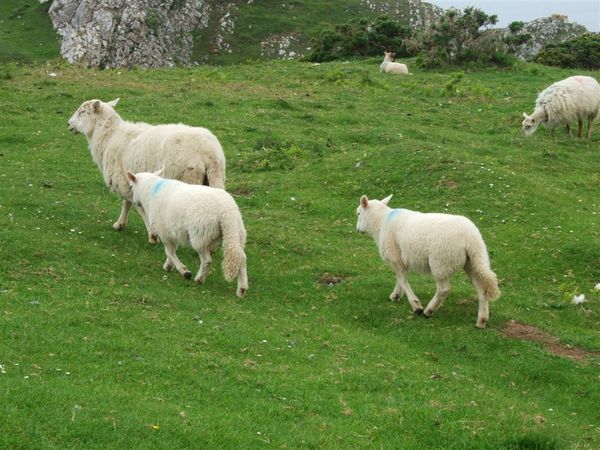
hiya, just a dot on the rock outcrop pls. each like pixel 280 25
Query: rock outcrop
pixel 552 29
pixel 125 33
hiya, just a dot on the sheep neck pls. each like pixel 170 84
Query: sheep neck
pixel 376 221
pixel 539 114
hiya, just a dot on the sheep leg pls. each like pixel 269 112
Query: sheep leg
pixel 442 291
pixel 170 249
pixel 205 265
pixel 398 292
pixel 483 314
pixel 569 131
pixel 579 128
pixel 242 282
pixel 152 238
pixel 168 265
pixel 121 222
pixel 412 298
pixel 589 131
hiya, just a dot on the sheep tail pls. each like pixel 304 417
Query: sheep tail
pixel 215 172
pixel 234 239
pixel 482 273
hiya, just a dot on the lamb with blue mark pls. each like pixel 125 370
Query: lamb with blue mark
pixel 440 244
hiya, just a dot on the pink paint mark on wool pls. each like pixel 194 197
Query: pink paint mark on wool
pixel 582 80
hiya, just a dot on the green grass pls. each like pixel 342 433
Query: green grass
pixel 102 349
pixel 26 33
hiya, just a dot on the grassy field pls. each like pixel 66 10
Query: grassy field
pixel 102 349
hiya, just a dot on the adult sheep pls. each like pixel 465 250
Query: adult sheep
pixel 440 244
pixel 389 66
pixel 186 214
pixel 573 99
pixel 190 154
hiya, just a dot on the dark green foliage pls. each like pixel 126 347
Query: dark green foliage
pixel 514 39
pixel 459 37
pixel 361 37
pixel 582 52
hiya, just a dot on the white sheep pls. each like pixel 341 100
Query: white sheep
pixel 573 99
pixel 440 244
pixel 388 66
pixel 191 154
pixel 194 215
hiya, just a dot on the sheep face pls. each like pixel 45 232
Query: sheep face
pixel 529 125
pixel 368 209
pixel 362 213
pixel 84 119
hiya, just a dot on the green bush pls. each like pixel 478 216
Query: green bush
pixel 361 37
pixel 459 38
pixel 582 52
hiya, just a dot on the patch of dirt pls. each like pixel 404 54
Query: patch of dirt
pixel 516 330
pixel 241 192
pixel 449 184
pixel 330 279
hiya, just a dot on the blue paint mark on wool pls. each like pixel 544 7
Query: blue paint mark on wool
pixel 157 187
pixel 393 213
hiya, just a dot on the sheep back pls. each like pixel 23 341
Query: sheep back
pixel 572 99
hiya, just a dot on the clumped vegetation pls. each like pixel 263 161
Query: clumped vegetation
pixel 459 37
pixel 582 52
pixel 361 37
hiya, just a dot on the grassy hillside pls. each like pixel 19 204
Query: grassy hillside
pixel 102 349
pixel 26 33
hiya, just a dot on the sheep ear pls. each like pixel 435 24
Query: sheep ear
pixel 386 200
pixel 158 173
pixel 96 106
pixel 131 177
pixel 524 115
pixel 114 102
pixel 364 201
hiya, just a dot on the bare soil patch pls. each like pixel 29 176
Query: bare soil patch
pixel 330 279
pixel 525 332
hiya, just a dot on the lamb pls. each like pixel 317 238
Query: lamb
pixel 564 102
pixel 195 215
pixel 191 154
pixel 440 244
pixel 388 66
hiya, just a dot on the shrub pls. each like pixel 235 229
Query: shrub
pixel 461 37
pixel 361 37
pixel 582 52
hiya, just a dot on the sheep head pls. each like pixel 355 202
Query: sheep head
pixel 530 124
pixel 84 119
pixel 365 211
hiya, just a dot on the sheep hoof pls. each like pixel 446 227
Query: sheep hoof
pixel 153 239
pixel 199 280
pixel 241 292
pixel 418 312
pixel 187 275
pixel 119 226
pixel 481 323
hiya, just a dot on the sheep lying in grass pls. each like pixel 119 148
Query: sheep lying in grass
pixel 191 154
pixel 194 215
pixel 388 66
pixel 564 102
pixel 440 244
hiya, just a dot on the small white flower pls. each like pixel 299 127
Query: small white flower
pixel 2 369
pixel 578 299
pixel 597 287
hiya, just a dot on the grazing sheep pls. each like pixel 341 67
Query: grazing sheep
pixel 564 102
pixel 440 244
pixel 195 215
pixel 388 66
pixel 191 154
